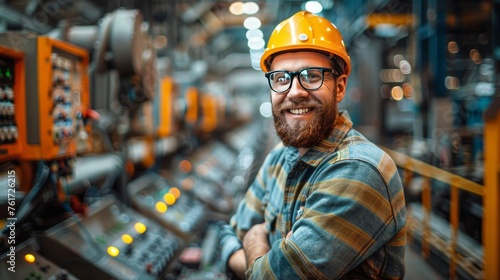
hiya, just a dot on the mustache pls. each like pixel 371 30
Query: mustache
pixel 289 104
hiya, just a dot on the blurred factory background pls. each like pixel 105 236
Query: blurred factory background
pixel 130 129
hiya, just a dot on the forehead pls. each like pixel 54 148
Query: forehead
pixel 299 60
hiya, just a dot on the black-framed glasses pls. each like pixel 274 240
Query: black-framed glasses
pixel 310 78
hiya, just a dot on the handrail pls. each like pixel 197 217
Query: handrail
pixel 411 165
pixel 430 171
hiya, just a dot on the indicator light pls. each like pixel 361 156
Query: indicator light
pixel 113 251
pixel 140 228
pixel 169 199
pixel 161 207
pixel 176 192
pixel 127 239
pixel 29 258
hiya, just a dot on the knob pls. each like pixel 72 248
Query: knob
pixel 9 93
pixel 3 134
pixel 10 110
pixel 63 275
pixel 14 132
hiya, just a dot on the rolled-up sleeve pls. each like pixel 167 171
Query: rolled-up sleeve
pixel 250 212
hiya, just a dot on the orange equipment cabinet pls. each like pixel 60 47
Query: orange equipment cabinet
pixel 209 120
pixel 57 94
pixel 165 114
pixel 12 101
pixel 192 99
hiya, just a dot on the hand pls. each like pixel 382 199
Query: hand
pixel 255 243
pixel 238 264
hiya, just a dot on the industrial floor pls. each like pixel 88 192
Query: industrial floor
pixel 417 268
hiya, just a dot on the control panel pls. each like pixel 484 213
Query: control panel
pixel 26 263
pixel 56 93
pixel 206 191
pixel 177 210
pixel 11 102
pixel 112 242
pixel 213 170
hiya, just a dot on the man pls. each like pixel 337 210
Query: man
pixel 327 203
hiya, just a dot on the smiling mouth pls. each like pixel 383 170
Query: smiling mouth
pixel 300 111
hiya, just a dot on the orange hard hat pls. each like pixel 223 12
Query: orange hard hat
pixel 305 31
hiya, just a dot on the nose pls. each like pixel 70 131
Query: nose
pixel 296 90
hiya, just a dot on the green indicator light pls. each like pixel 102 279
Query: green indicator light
pixel 7 73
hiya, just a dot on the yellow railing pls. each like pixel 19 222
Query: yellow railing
pixel 489 266
pixel 457 184
pixel 490 193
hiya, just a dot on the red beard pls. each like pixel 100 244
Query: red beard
pixel 305 134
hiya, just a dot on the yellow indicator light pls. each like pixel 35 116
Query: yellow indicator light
pixel 127 239
pixel 140 228
pixel 176 192
pixel 113 251
pixel 161 207
pixel 29 258
pixel 169 199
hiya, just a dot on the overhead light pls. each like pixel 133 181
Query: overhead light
pixel 408 90
pixel 397 59
pixel 256 43
pixel 451 82
pixel 397 93
pixel 236 8
pixel 250 8
pixel 256 54
pixel 453 47
pixel 313 6
pixel 252 23
pixel 254 33
pixel 475 56
pixel 391 76
pixel 405 67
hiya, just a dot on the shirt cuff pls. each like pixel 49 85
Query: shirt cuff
pixel 229 243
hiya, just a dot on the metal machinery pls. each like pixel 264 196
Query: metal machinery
pixel 32 265
pixel 112 241
pixel 11 96
pixel 114 170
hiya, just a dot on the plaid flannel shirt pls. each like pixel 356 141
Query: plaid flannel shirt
pixel 342 200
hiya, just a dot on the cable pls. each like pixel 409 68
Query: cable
pixel 85 233
pixel 27 205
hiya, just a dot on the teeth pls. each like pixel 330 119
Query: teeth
pixel 300 111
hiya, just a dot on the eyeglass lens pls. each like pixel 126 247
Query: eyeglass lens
pixel 310 79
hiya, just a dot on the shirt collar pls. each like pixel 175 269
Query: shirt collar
pixel 316 153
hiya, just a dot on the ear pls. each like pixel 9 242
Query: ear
pixel 341 87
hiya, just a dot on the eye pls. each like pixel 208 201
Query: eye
pixel 281 78
pixel 311 75
pixel 315 74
